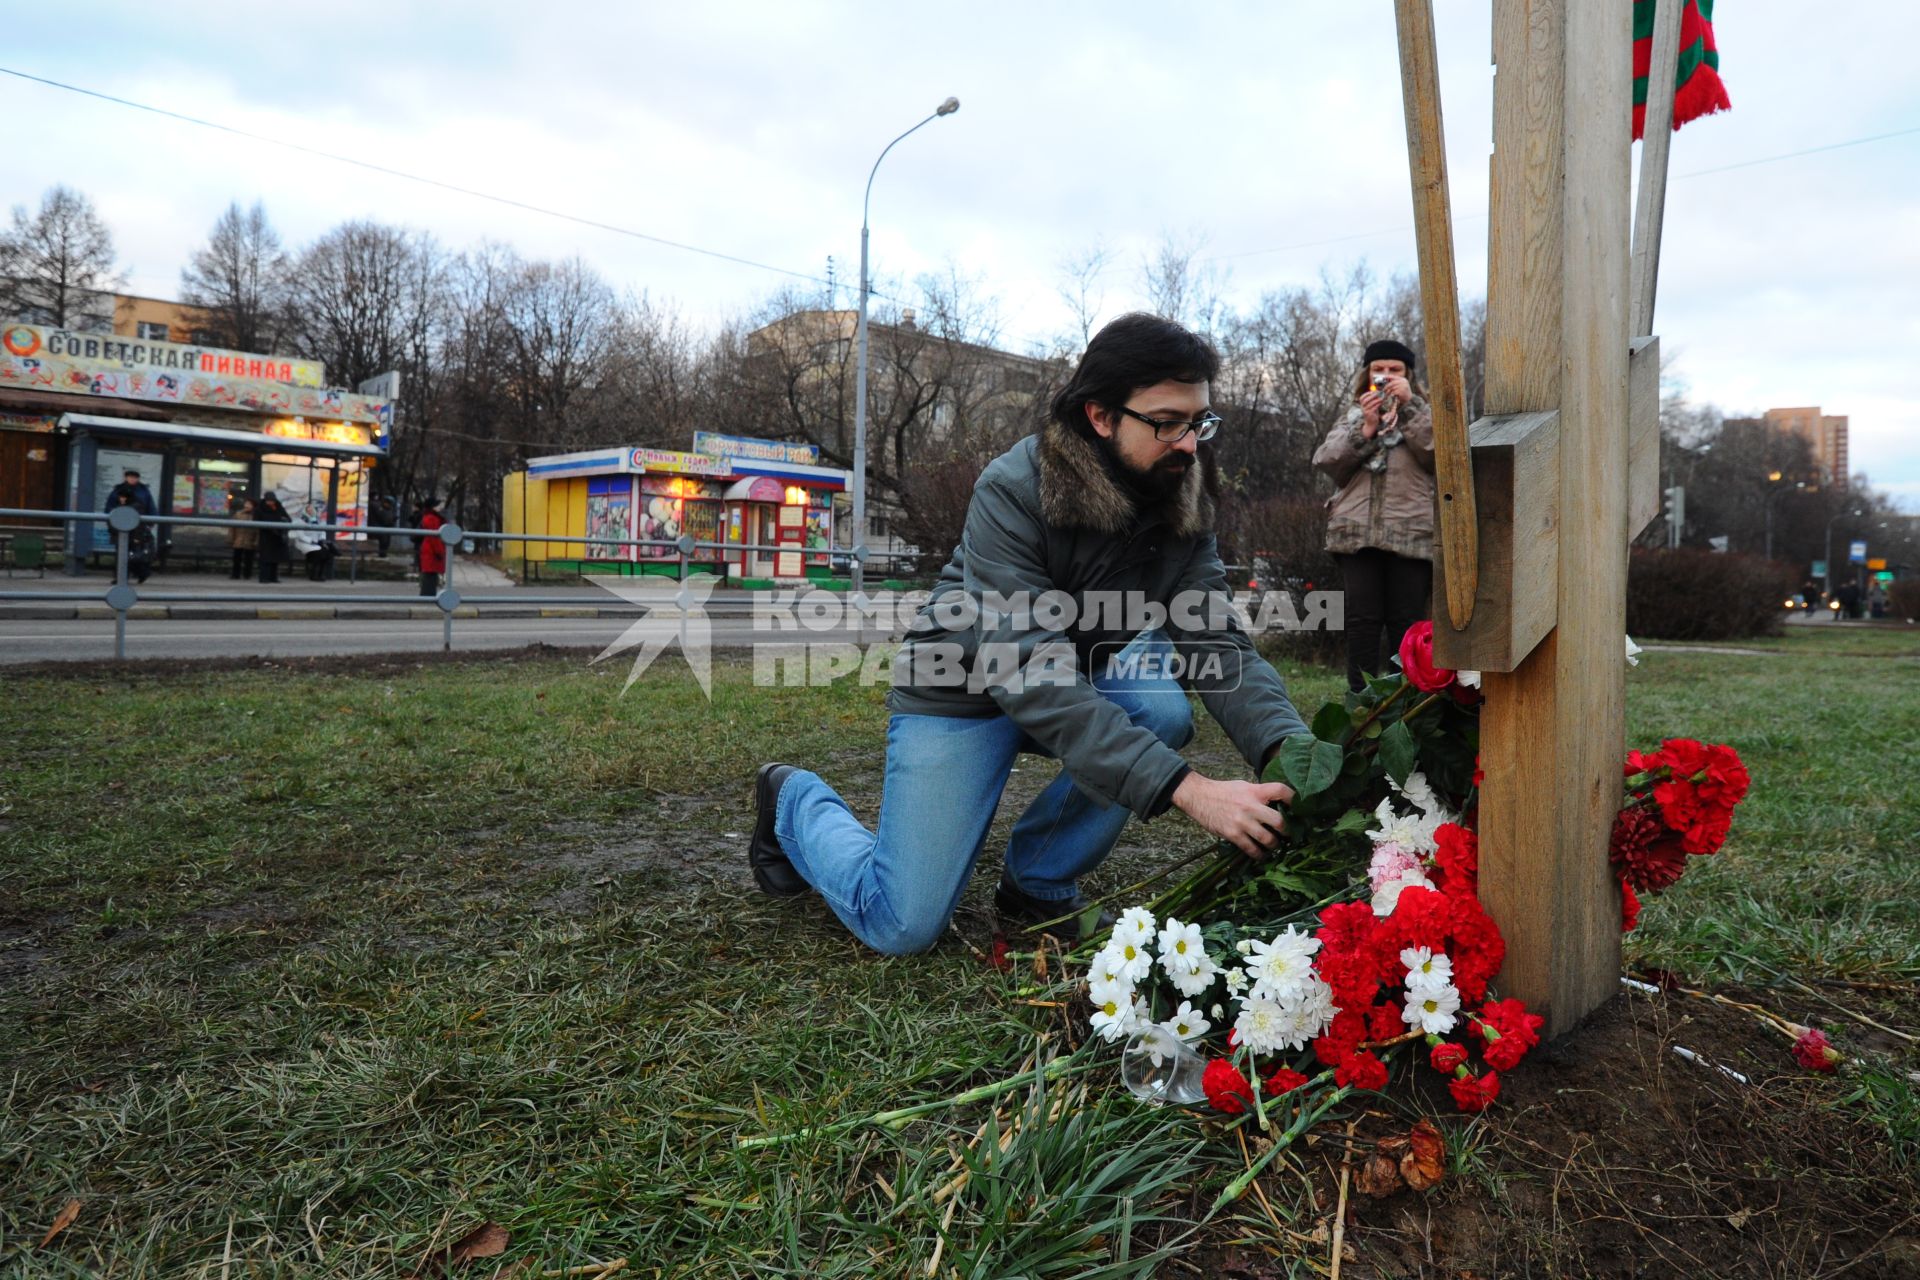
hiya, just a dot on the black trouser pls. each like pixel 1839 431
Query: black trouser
pixel 429 583
pixel 242 562
pixel 269 565
pixel 1386 594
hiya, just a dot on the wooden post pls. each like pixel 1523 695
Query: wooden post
pixel 1656 142
pixel 1459 543
pixel 1552 731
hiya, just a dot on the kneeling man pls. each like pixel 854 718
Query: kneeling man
pixel 1085 599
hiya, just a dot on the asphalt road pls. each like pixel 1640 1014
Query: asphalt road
pixel 91 640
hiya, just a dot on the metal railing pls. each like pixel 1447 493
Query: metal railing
pixel 122 596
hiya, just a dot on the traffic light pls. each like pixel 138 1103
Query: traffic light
pixel 1675 509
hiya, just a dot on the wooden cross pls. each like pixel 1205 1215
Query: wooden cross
pixel 1564 469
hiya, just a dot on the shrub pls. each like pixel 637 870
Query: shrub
pixel 1903 600
pixel 1282 542
pixel 1704 595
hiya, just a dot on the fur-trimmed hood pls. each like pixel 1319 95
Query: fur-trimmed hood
pixel 1079 490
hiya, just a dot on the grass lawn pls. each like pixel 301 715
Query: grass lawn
pixel 307 971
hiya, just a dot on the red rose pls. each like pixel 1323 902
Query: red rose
pixel 1416 659
pixel 1446 1056
pixel 1226 1088
pixel 1473 1094
pixel 1285 1080
pixel 1362 1071
pixel 1814 1052
pixel 1629 908
pixel 1644 852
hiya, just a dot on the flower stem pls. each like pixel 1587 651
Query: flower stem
pixel 898 1117
pixel 1307 1119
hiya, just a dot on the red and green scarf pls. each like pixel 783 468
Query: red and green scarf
pixel 1697 90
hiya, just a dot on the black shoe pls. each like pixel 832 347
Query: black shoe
pixel 1023 911
pixel 771 869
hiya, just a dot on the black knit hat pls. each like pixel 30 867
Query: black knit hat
pixel 1388 349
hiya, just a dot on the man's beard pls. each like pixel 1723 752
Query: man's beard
pixel 1155 483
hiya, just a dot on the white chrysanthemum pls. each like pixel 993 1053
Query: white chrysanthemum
pixel 1387 896
pixel 1243 946
pixel 1316 1009
pixel 1418 791
pixel 1157 1041
pixel 1412 832
pixel 1236 982
pixel 1117 1018
pixel 1216 1013
pixel 1116 992
pixel 1267 1026
pixel 1193 975
pixel 1633 652
pixel 1280 968
pixel 1427 967
pixel 1130 955
pixel 1109 966
pixel 1178 943
pixel 1431 1010
pixel 1135 923
pixel 1186 1023
pixel 1471 679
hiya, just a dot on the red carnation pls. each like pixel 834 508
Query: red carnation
pixel 1416 659
pixel 1814 1052
pixel 1384 1022
pixel 1458 859
pixel 1629 908
pixel 1362 1071
pixel 1479 774
pixel 1342 1038
pixel 1226 1088
pixel 1475 1094
pixel 1708 834
pixel 1679 803
pixel 1645 853
pixel 1726 782
pixel 1285 1080
pixel 1345 927
pixel 1509 1031
pixel 1447 1055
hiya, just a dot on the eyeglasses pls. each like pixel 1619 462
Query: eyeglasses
pixel 1173 430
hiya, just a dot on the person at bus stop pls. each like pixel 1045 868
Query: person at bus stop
pixel 314 547
pixel 1380 518
pixel 433 552
pixel 271 516
pixel 134 487
pixel 245 542
pixel 139 541
pixel 1111 498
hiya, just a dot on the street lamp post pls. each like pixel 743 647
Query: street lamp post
pixel 946 108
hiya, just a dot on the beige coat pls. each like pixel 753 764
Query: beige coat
pixel 242 539
pixel 1392 508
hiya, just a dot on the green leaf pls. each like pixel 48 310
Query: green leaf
pixel 1353 822
pixel 1397 752
pixel 1310 764
pixel 1332 721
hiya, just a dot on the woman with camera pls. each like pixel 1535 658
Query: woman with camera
pixel 1380 520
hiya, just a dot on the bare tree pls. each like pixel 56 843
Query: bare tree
pixel 1181 285
pixel 240 279
pixel 1080 288
pixel 56 265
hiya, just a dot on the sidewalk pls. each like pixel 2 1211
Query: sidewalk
pixel 336 598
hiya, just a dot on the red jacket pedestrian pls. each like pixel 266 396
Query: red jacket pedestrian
pixel 433 552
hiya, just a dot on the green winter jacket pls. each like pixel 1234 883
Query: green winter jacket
pixel 1050 516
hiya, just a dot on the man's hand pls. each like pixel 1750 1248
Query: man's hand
pixel 1247 813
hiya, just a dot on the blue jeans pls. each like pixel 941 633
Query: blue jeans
pixel 897 888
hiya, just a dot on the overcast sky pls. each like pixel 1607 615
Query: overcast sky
pixel 1271 132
